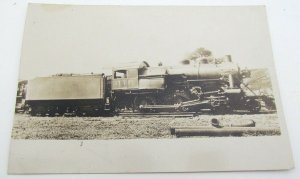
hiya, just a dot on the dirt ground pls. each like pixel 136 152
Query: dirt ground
pixel 85 128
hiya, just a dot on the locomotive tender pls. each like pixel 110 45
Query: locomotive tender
pixel 66 94
pixel 138 87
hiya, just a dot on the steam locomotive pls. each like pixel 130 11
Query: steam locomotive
pixel 206 85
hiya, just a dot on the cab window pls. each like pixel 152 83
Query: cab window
pixel 120 74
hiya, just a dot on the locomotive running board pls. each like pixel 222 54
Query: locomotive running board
pixel 177 107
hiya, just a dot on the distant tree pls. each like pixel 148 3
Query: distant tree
pixel 198 55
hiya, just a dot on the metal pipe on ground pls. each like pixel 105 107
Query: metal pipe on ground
pixel 226 131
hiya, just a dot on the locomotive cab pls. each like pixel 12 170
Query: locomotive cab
pixel 124 79
pixel 137 83
pixel 137 77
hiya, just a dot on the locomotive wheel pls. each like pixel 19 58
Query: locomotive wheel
pixel 269 104
pixel 143 101
pixel 60 111
pixel 51 113
pixel 95 113
pixel 41 110
pixel 80 113
pixel 43 114
pixel 33 111
pixel 253 106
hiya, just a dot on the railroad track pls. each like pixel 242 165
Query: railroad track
pixel 160 114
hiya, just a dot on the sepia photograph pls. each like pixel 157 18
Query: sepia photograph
pixel 123 74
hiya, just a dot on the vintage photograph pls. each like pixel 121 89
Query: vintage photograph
pixel 145 76
pixel 150 76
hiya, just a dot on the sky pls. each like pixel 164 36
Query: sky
pixel 84 39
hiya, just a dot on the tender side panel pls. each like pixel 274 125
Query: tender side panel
pixel 66 87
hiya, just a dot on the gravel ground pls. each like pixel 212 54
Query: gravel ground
pixel 83 128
